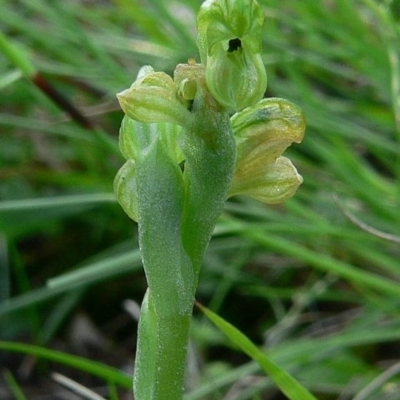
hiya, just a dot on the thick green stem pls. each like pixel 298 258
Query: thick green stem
pixel 210 153
pixel 161 356
pixel 177 215
pixel 172 346
pixel 167 308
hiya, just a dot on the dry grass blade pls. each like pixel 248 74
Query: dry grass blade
pixel 76 387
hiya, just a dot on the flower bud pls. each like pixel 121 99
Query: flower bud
pixel 229 41
pixel 152 98
pixel 262 133
pixel 186 77
pixel 229 20
pixel 236 79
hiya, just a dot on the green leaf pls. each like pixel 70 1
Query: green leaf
pixel 286 383
pixel 13 386
pixel 102 371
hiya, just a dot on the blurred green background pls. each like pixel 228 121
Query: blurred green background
pixel 315 280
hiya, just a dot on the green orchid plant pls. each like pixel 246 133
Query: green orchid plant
pixel 191 141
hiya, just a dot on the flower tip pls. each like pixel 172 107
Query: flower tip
pixel 122 96
pixel 299 177
pixel 123 100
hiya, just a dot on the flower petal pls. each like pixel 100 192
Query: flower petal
pixel 229 41
pixel 265 130
pixel 153 98
pixel 236 79
pixel 222 21
pixel 272 184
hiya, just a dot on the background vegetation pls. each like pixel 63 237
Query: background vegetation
pixel 316 280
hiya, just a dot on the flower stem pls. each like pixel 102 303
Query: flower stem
pixel 161 355
pixel 210 153
pixel 177 214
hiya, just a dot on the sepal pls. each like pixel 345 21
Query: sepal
pixel 153 98
pixel 262 134
pixel 237 79
pixel 229 41
pixel 270 183
pixel 224 20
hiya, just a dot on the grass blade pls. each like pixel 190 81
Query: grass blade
pixel 109 374
pixel 287 383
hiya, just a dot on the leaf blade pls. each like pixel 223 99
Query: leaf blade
pixel 286 383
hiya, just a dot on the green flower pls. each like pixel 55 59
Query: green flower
pixel 186 77
pixel 236 79
pixel 262 133
pixel 153 98
pixel 229 41
pixel 136 140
